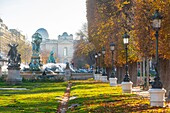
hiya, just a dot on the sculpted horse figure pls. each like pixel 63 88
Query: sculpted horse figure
pixel 13 56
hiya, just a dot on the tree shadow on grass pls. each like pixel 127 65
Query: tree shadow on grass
pixel 111 104
pixel 31 107
pixel 35 88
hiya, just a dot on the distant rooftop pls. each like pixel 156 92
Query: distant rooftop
pixel 43 32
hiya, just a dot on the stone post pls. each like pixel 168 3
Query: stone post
pixel 157 97
pixel 67 72
pixel 14 76
pixel 127 87
pixel 113 81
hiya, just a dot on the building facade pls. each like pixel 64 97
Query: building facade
pixel 63 47
pixel 9 36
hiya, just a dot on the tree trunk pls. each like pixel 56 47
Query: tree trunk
pixel 141 73
pixel 147 74
pixel 165 74
pixel 108 72
pixel 119 74
pixel 144 69
pixel 133 73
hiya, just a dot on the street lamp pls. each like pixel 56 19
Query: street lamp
pixel 99 54
pixel 104 69
pixel 104 75
pixel 157 92
pixel 112 48
pixel 156 26
pixel 96 62
pixel 126 42
pixel 112 78
pixel 126 84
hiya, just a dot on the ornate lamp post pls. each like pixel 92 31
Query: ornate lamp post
pixel 156 26
pixel 104 70
pixel 104 75
pixel 96 62
pixel 157 93
pixel 126 84
pixel 112 48
pixel 126 42
pixel 112 79
pixel 99 54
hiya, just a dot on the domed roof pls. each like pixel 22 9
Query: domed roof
pixel 65 34
pixel 43 32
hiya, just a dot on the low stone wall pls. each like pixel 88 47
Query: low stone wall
pixel 29 77
pixel 74 76
pixel 81 76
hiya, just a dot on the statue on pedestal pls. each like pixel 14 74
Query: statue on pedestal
pixel 14 58
pixel 35 59
pixel 14 61
pixel 36 40
pixel 51 58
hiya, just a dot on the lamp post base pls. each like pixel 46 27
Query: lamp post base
pixel 157 97
pixel 100 77
pixel 113 81
pixel 127 87
pixel 104 78
pixel 95 76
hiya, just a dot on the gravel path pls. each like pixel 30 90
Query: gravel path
pixel 63 106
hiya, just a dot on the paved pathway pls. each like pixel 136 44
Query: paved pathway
pixel 13 89
pixel 137 90
pixel 64 103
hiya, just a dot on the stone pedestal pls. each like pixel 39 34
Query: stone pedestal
pixel 127 87
pixel 104 78
pixel 100 77
pixel 97 76
pixel 94 76
pixel 14 76
pixel 67 74
pixel 113 81
pixel 35 64
pixel 157 97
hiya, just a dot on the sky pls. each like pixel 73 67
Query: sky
pixel 56 16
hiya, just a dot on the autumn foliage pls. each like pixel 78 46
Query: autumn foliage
pixel 109 19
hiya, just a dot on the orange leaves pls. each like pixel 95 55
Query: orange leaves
pixel 112 18
pixel 126 2
pixel 83 48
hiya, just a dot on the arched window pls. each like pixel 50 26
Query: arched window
pixel 65 51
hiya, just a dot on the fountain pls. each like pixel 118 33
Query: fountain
pixel 35 59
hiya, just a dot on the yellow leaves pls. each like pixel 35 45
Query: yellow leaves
pixel 132 26
pixel 84 48
pixel 119 6
pixel 126 2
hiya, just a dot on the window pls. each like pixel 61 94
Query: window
pixel 65 51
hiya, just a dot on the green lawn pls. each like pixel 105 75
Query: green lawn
pixel 98 97
pixel 41 97
pixel 92 96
